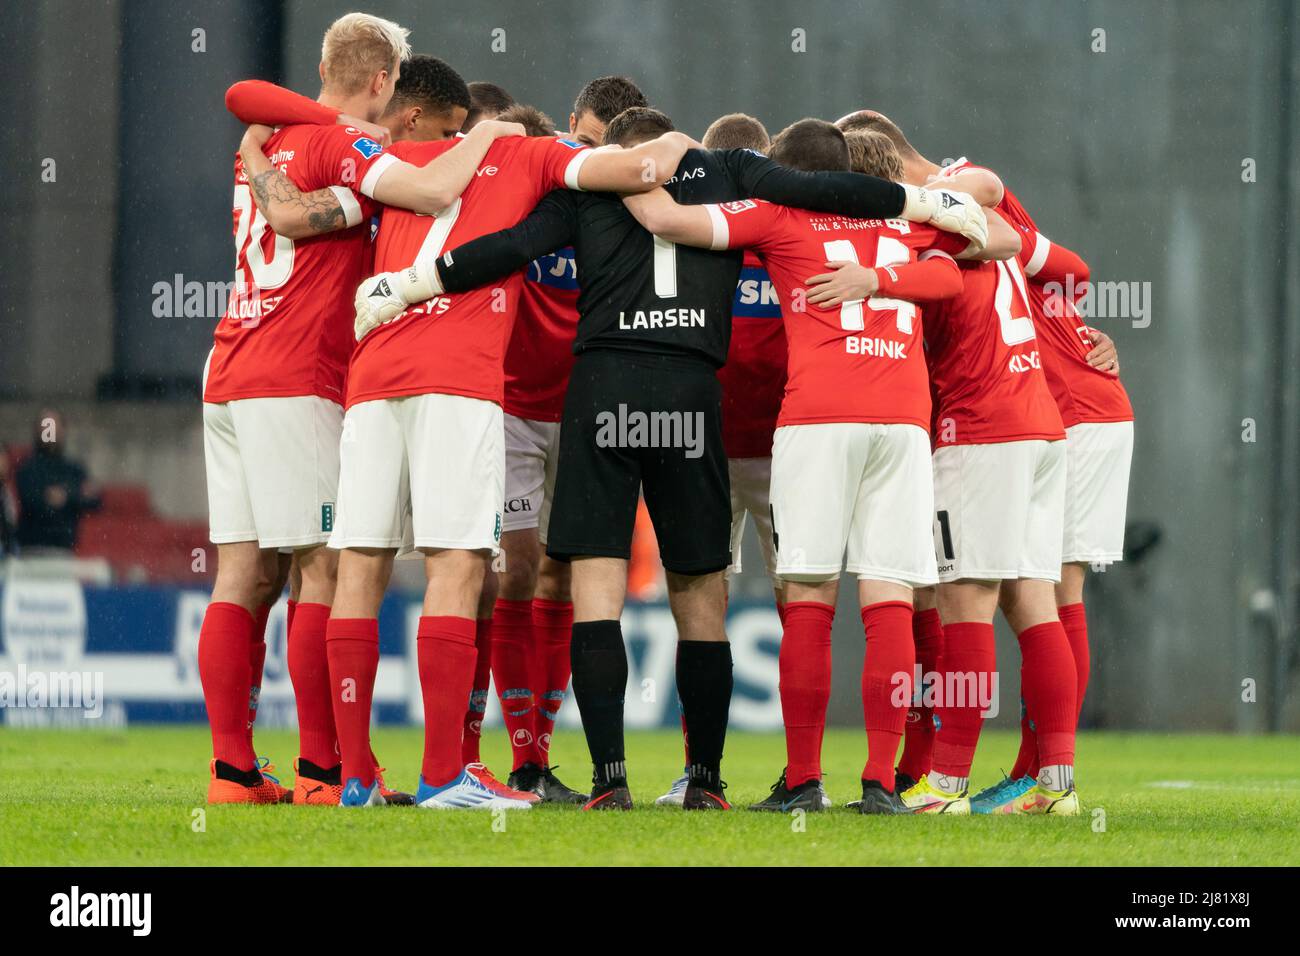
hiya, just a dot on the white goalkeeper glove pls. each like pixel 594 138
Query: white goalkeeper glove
pixel 382 298
pixel 949 210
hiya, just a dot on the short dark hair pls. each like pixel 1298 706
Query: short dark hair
pixel 736 131
pixel 607 96
pixel 535 122
pixel 429 83
pixel 869 121
pixel 636 125
pixel 874 154
pixel 811 144
pixel 487 100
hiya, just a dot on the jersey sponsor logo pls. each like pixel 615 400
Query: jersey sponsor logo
pixel 366 147
pixel 516 505
pixel 755 296
pixel 875 347
pixel 662 319
pixel 559 270
pixel 572 144
pixel 487 171
pixel 1024 363
pixel 699 172
pixel 739 205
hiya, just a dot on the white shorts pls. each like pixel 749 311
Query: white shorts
pixel 273 469
pixel 855 487
pixel 424 471
pixel 1097 456
pixel 999 510
pixel 532 450
pixel 751 482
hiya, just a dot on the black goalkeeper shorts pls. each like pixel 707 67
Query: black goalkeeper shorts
pixel 642 423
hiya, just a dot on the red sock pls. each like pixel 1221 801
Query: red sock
pixel 256 663
pixel 309 670
pixel 1027 757
pixel 886 685
pixel 1075 621
pixel 1048 684
pixel 288 617
pixel 552 632
pixel 472 720
pixel 446 650
pixel 918 733
pixel 225 641
pixel 352 649
pixel 966 666
pixel 780 612
pixel 805 667
pixel 512 659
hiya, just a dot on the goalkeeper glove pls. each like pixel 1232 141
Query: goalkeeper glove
pixel 384 297
pixel 948 210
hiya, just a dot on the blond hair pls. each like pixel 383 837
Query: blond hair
pixel 357 46
pixel 874 154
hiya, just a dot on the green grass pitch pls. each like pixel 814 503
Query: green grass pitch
pixel 132 797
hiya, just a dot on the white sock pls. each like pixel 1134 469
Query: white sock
pixel 1058 777
pixel 947 784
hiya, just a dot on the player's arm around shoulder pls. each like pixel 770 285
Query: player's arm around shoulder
pixel 288 210
pixel 660 214
pixel 641 168
pixel 431 188
pixel 982 185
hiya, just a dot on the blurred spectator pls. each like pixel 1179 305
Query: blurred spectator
pixel 53 491
pixel 8 510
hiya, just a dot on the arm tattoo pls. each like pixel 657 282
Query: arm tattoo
pixel 320 210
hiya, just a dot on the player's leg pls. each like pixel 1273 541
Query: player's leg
pixel 891 550
pixel 1098 457
pixel 456 457
pixel 276 574
pixel 596 493
pixel 369 528
pixel 318 766
pixel 981 495
pixel 244 583
pixel 810 531
pixel 484 650
pixel 512 636
pixel 1048 674
pixel 599 662
pixel 1047 682
pixel 686 487
pixel 919 731
pixel 553 631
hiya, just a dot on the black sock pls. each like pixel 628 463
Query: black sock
pixel 704 688
pixel 599 662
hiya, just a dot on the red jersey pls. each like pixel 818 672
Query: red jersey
pixel 984 361
pixel 1082 393
pixel 753 380
pixel 540 356
pixel 288 324
pixel 857 362
pixel 456 344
